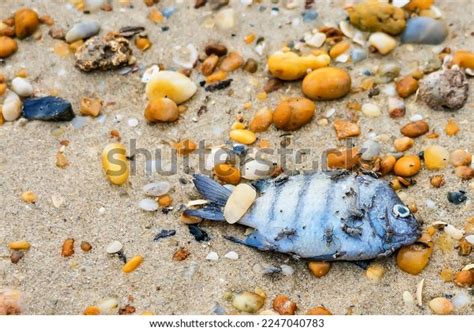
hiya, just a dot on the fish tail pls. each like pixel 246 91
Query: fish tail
pixel 215 193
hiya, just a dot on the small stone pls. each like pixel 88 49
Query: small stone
pixel 16 256
pixel 132 264
pixel 382 42
pixel 212 256
pixel 371 110
pixel 82 30
pixel 250 66
pixel 47 109
pixel 117 172
pixel 114 247
pixel 457 197
pixel 437 181
pixel 239 202
pixel 148 205
pixel 436 157
pixel 8 47
pixel 29 197
pixel 26 22
pixel 209 64
pixel 415 129
pixel 407 86
pixel 403 144
pixel 407 166
pixel 262 120
pixel 327 84
pixel 292 66
pixel 464 172
pixel 346 129
pixel 231 62
pixel 283 305
pixel 414 258
pixel 441 306
pixel 248 302
pixel 292 113
pixel 287 270
pixel 181 254
pixel 319 310
pixel 257 169
pixel 57 33
pixel 377 16
pixel 464 278
pixel 217 49
pixel 461 300
pixel 85 246
pixel 172 85
pixel 243 136
pixel 12 107
pixel 375 271
pixel 68 247
pixel 424 30
pixel 22 87
pixel 227 173
pixel 444 89
pixel 370 150
pixel 225 19
pixel 463 59
pixel 319 268
pixel 451 128
pixel 232 255
pixel 90 107
pixel 387 72
pixel 396 107
pixel 161 110
pixel 343 159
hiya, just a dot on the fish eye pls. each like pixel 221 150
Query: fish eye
pixel 401 211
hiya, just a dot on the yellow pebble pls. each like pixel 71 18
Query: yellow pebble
pixel 114 162
pixel 261 96
pixel 291 66
pixel 436 157
pixel 464 59
pixel 29 197
pixel 375 271
pixel 132 264
pixel 17 245
pixel 339 49
pixel 216 77
pixel 170 84
pixel 243 136
pixel 249 38
pixel 451 128
pixel 237 126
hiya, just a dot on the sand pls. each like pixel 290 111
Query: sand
pixel 97 212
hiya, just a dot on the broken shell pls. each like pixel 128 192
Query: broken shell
pixel 82 30
pixel 419 292
pixel 441 306
pixel 239 202
pixel 424 30
pixel 149 73
pixel 157 189
pixel 148 205
pixel 171 84
pixel 408 298
pixel 186 58
pixel 315 40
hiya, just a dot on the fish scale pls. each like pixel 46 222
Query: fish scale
pixel 321 216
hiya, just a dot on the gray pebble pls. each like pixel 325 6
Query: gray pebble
pixel 82 30
pixel 424 30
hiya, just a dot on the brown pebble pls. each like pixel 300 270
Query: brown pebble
pixel 161 110
pixel 319 268
pixel 209 64
pixel 414 258
pixel 16 256
pixel 402 144
pixel 464 278
pixel 415 129
pixel 90 107
pixel 26 22
pixel 326 84
pixel 407 166
pixel 464 247
pixel 61 160
pixel 451 128
pixel 387 164
pixel 406 86
pixel 199 3
pixel 292 113
pixel 464 172
pixel 8 46
pixel 68 247
pixel 127 310
pixel 231 62
pixel 85 246
pixel 283 305
pixel 217 49
pixel 319 310
pixel 346 129
pixel 437 181
pixel 251 66
pixel 272 84
pixel 343 159
pixel 181 254
pixel 262 120
pixel 397 112
pixel 460 157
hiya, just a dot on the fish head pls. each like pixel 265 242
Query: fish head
pixel 404 228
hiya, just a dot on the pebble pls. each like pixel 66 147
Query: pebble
pixel 231 62
pixel 12 106
pixel 161 110
pixel 47 109
pixel 148 205
pixel 407 166
pixel 441 306
pixel 415 129
pixel 287 270
pixel 262 120
pixel 85 246
pixel 292 113
pixel 227 173
pixel 243 136
pixel 413 258
pixel 248 302
pixel 424 30
pixel 212 256
pixel 343 159
pixel 436 157
pixel 463 59
pixel 108 306
pixel 114 247
pixel 382 42
pixel 26 22
pixel 327 84
pixel 457 197
pixel 8 47
pixel 16 256
pixel 319 268
pixel 315 40
pixel 396 107
pixel 239 202
pixel 157 189
pixel 346 129
pixel 225 19
pixel 283 305
pixel 387 72
pixel 82 30
pixel 186 57
pixel 387 164
pixel 358 54
pixel 371 110
pixel 451 128
pixel 370 150
pixel 117 171
pixel 403 144
pixel 232 255
pixel 444 89
pixel 68 248
pixel 132 264
pixel 375 271
pixel 90 107
pixel 319 310
pixel 170 84
pixel 291 66
pixel 217 49
pixel 256 169
pixel 217 155
pixel 377 16
pixel 19 245
pixel 464 278
pixel 406 86
pixel 460 300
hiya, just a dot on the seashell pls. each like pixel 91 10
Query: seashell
pixel 400 3
pixel 470 239
pixel 469 267
pixel 114 247
pixel 315 40
pixel 419 292
pixel 239 202
pixel 171 84
pixel 370 149
pixel 408 298
pixel 157 189
pixel 48 109
pixel 231 255
pixel 212 256
pixel 198 202
pixel 382 42
pixel 148 205
pixel 11 108
pixel 149 73
pixel 256 169
pixel 460 300
pixel 453 232
pixel 22 87
pixel 187 58
pixel 424 30
pixel 82 30
pixel 347 29
pixel 441 306
pixel 359 38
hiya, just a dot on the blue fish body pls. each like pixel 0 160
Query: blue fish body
pixel 322 216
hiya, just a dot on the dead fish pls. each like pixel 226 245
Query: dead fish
pixel 325 216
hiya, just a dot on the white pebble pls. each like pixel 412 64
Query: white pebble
pixel 148 205
pixel 82 30
pixel 371 110
pixel 225 19
pixel 212 256
pixel 114 247
pixel 239 202
pixel 157 189
pixel 416 117
pixel 22 87
pixel 12 106
pixel 231 255
pixel 382 42
pixel 132 122
pixel 256 169
pixel 461 300
pixel 93 5
pixel 370 149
